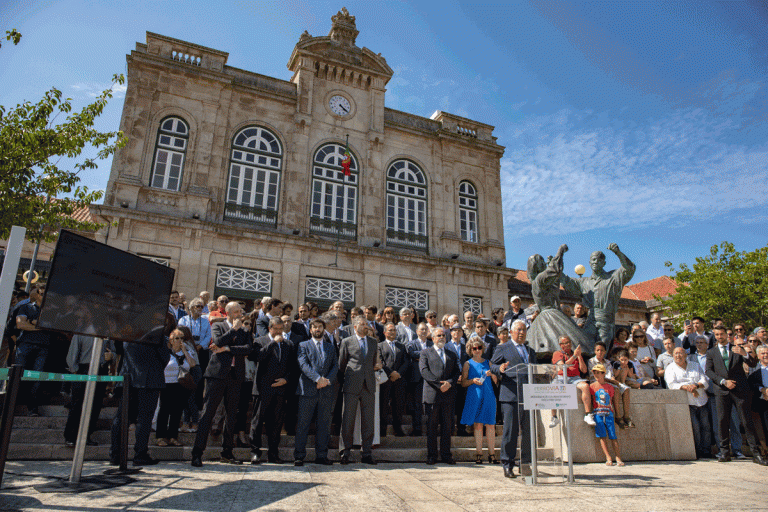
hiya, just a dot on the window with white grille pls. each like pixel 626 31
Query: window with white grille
pixel 245 279
pixel 334 195
pixel 406 298
pixel 468 211
pixel 406 204
pixel 170 152
pixel 473 304
pixel 157 259
pixel 254 176
pixel 329 289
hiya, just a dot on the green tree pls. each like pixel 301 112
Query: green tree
pixel 726 284
pixel 32 143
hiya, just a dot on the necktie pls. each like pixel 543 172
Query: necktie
pixel 442 355
pixel 362 347
pixel 726 360
pixel 278 352
pixel 320 351
pixel 523 353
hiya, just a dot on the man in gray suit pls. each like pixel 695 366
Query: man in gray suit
pixel 406 330
pixel 358 362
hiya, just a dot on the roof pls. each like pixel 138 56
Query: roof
pixel 663 286
pixel 83 215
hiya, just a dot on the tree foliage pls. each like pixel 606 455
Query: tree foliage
pixel 32 143
pixel 726 284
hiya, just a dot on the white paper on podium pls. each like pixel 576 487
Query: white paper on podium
pixel 550 396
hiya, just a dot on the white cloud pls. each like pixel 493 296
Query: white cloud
pixel 94 89
pixel 568 172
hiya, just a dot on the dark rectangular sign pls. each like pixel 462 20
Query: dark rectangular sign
pixel 98 290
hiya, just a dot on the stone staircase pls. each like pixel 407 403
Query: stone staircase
pixel 41 438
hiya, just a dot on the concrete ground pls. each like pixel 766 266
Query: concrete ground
pixel 175 486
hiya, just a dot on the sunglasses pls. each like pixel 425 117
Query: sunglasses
pixel 176 338
pixel 477 349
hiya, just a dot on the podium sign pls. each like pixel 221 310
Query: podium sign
pixel 550 396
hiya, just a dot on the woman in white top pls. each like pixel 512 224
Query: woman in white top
pixel 174 395
pixel 646 354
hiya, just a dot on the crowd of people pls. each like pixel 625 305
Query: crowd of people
pixel 356 374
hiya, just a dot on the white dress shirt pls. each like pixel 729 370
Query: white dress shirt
pixel 677 377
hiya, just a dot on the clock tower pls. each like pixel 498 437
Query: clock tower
pixel 341 86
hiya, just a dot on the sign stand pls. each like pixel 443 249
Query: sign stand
pixel 542 389
pixel 85 417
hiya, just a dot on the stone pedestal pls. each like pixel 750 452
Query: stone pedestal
pixel 663 430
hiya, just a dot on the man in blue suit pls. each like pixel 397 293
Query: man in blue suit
pixel 319 365
pixel 504 364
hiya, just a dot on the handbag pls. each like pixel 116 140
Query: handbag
pixel 185 378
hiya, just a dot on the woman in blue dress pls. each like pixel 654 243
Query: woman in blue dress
pixel 480 405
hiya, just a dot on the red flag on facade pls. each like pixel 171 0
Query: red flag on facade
pixel 347 160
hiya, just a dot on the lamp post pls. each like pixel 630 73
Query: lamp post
pixel 580 270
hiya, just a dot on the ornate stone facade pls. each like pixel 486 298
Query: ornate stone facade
pixel 237 180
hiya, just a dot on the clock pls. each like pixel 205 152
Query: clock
pixel 340 105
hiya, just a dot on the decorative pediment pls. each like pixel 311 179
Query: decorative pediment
pixel 338 50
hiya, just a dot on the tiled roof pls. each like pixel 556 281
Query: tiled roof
pixel 663 286
pixel 83 215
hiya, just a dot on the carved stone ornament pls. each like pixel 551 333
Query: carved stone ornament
pixel 343 30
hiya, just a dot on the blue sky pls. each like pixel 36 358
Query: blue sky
pixel 640 123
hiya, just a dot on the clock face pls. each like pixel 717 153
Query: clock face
pixel 340 106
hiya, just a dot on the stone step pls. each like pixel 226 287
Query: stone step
pixel 60 452
pixel 103 437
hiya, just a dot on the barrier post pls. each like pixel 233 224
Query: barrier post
pixel 85 413
pixel 9 406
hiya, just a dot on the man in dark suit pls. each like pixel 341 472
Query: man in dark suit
pixel 274 355
pixel 490 341
pixel 689 340
pixel 358 362
pixel 725 368
pixel 758 384
pixel 272 308
pixel 394 360
pixel 440 371
pixel 230 343
pixel 415 380
pixel 504 364
pixel 319 365
pixel 146 366
pixel 300 326
pixel 370 315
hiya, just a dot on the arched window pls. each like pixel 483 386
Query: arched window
pixel 406 205
pixel 170 151
pixel 254 176
pixel 468 211
pixel 334 195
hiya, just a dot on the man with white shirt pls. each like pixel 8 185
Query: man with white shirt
pixel 698 330
pixel 416 381
pixel 300 327
pixel 655 332
pixel 666 357
pixel 688 376
pixel 174 306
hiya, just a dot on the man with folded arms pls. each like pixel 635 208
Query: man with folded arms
pixel 688 376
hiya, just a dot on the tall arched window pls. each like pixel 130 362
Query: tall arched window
pixel 170 151
pixel 254 176
pixel 468 211
pixel 334 195
pixel 406 205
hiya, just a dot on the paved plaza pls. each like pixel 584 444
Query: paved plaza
pixel 176 486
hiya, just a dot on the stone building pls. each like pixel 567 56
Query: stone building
pixel 237 180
